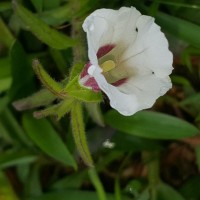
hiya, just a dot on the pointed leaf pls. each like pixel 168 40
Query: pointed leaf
pixel 22 73
pixel 43 134
pixel 151 125
pixel 6 191
pixel 41 30
pixel 166 192
pixel 13 158
pixel 71 195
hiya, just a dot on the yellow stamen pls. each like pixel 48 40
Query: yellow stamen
pixel 108 65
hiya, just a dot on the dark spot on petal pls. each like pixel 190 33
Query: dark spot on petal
pixel 136 29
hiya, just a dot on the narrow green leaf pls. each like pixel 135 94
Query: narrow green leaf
pixel 50 4
pixel 97 183
pixel 180 28
pixel 40 98
pixel 71 195
pixel 5 83
pixel 180 4
pixel 130 142
pixel 14 129
pixel 166 192
pixel 13 158
pixel 191 104
pixel 41 30
pixel 78 130
pixel 5 70
pixel 73 181
pixel 23 77
pixel 197 153
pixel 4 6
pixel 5 34
pixel 3 102
pixel 188 189
pixel 151 125
pixel 33 185
pixel 43 134
pixel 4 135
pixel 38 4
pixel 6 190
pixel 180 80
pixel 57 16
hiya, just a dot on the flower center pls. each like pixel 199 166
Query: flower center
pixel 108 65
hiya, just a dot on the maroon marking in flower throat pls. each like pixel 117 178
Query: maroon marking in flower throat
pixel 91 82
pixel 85 70
pixel 104 50
pixel 119 82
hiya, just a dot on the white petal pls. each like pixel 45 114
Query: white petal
pixel 147 88
pixel 126 104
pixel 141 48
pixel 150 49
pixel 107 26
pixel 98 29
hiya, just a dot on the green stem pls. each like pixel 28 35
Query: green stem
pixel 152 159
pixel 78 130
pixel 117 180
pixel 97 183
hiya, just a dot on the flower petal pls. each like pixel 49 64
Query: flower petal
pixel 141 52
pixel 107 26
pixel 126 104
pixel 147 88
pixel 150 49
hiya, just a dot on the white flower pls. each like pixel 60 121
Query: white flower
pixel 129 58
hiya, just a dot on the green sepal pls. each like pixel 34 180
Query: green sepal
pixel 75 90
pixel 47 81
pixel 78 131
pixel 58 110
pixel 41 98
pixel 76 70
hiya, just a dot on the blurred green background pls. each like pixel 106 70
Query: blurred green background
pixel 152 155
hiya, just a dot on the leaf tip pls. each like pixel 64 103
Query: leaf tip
pixel 14 4
pixel 38 115
pixel 19 105
pixel 35 63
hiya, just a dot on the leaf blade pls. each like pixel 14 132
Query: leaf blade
pixel 151 125
pixel 49 141
pixel 41 30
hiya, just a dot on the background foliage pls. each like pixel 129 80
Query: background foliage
pixel 153 154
